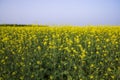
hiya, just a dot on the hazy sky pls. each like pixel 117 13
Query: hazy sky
pixel 60 12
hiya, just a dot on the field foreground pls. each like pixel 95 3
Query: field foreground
pixel 60 53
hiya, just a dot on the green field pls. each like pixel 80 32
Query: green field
pixel 60 53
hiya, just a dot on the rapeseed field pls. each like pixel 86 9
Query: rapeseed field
pixel 60 53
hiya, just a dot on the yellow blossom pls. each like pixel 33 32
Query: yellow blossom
pixel 32 76
pixel 92 65
pixel 109 69
pixel 91 76
pixel 38 62
pixel 21 77
pixel 112 76
pixel 89 42
pixel 97 52
pixel 39 48
pixel 107 40
pixel 14 73
pixel 75 67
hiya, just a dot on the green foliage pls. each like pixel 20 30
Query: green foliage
pixel 59 53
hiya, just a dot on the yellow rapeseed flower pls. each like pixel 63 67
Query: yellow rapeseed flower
pixel 109 69
pixel 23 58
pixel 22 64
pixel 6 57
pixel 21 77
pixel 32 76
pixel 5 39
pixel 51 77
pixel 104 54
pixel 116 59
pixel 3 61
pixel 38 62
pixel 107 40
pixel 91 76
pixel 82 56
pixel 44 42
pixel 97 52
pixel 14 73
pixel 89 42
pixel 39 48
pixel 92 65
pixel 75 67
pixel 112 76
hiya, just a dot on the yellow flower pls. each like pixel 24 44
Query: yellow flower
pixel 52 46
pixel 2 61
pixel 97 39
pixel 109 69
pixel 97 52
pixel 113 77
pixel 106 74
pixel 51 77
pixel 104 46
pixel 21 77
pixel 82 56
pixel 88 46
pixel 13 52
pixel 76 39
pixel 101 63
pixel 105 54
pixel 6 57
pixel 38 62
pixel 45 43
pixel 67 49
pixel 69 41
pixel 89 42
pixel 23 58
pixel 98 47
pixel 32 76
pixel 107 40
pixel 39 48
pixel 92 65
pixel 22 64
pixel 29 63
pixel 116 42
pixel 74 51
pixel 91 76
pixel 75 67
pixel 14 73
pixel 116 59
pixel 5 39
pixel 91 52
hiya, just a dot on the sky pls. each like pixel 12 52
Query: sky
pixel 60 12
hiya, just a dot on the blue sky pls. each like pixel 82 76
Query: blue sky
pixel 60 12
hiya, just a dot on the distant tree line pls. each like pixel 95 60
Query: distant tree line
pixel 22 25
